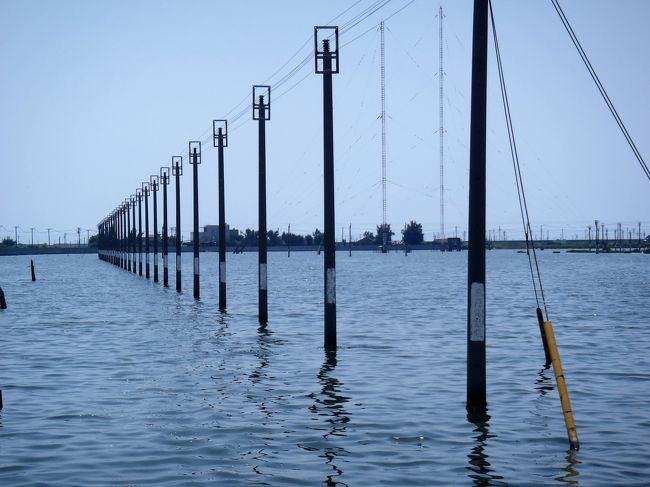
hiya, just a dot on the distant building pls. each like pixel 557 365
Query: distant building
pixel 210 235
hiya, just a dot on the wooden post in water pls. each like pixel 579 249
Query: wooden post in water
pixel 3 302
pixel 326 62
pixel 262 113
pixel 476 366
pixel 31 265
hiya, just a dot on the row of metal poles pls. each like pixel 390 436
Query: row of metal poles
pixel 120 242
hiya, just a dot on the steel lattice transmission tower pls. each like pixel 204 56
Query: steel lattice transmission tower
pixel 441 131
pixel 383 138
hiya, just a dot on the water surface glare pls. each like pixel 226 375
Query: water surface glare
pixel 110 379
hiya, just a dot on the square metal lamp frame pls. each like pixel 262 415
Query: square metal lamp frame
pixel 263 109
pixel 164 175
pixel 223 125
pixel 195 144
pixel 178 159
pixel 321 33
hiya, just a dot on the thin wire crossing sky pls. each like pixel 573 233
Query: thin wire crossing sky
pixel 96 96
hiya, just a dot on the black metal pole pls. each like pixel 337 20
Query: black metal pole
pixel 128 236
pixel 222 225
pixel 133 234
pixel 262 277
pixel 139 234
pixel 476 369
pixel 146 228
pixel 165 236
pixel 328 192
pixel 114 238
pixel 178 228
pixel 195 177
pixel 155 231
pixel 123 235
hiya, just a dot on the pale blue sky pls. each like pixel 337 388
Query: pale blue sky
pixel 97 95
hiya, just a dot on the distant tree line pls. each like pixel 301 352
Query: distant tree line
pixel 412 234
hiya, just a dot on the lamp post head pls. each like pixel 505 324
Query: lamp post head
pixel 145 188
pixel 326 44
pixel 154 181
pixel 195 152
pixel 261 102
pixel 220 127
pixel 177 165
pixel 164 175
pixel 138 194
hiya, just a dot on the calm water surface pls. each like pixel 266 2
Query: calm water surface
pixel 110 379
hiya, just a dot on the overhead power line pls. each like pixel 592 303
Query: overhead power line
pixel 599 85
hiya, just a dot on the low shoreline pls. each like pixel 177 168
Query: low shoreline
pixel 573 246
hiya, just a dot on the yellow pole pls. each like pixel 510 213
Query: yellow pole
pixel 561 386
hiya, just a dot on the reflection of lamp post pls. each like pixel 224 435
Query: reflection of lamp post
pixel 164 180
pixel 145 190
pixel 133 234
pixel 326 63
pixel 138 195
pixel 195 160
pixel 262 112
pixel 153 181
pixel 177 171
pixel 127 207
pixel 220 140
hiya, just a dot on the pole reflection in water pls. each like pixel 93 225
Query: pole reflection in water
pixel 570 475
pixel 330 404
pixel 266 399
pixel 479 462
pixel 544 385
